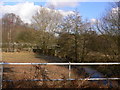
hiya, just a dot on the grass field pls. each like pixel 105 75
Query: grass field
pixel 20 57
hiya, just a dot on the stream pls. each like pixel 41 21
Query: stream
pixel 95 74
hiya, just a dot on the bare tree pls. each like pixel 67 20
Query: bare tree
pixel 46 20
pixel 109 26
pixel 74 26
pixel 10 22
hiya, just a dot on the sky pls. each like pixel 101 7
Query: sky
pixel 26 9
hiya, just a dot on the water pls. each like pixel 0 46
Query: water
pixel 95 74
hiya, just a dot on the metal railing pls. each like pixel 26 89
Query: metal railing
pixel 69 68
pixel 69 64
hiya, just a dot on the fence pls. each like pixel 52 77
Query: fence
pixel 69 68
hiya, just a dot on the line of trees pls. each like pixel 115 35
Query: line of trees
pixel 70 37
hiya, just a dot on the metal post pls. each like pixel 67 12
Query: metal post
pixel 1 66
pixel 69 70
pixel 1 76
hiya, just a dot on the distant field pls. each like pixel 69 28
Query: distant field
pixel 21 57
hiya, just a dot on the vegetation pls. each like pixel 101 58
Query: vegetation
pixel 70 38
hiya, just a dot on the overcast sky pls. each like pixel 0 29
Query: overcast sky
pixel 26 9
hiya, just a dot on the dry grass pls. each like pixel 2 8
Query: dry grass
pixel 27 72
pixel 21 57
pixel 25 57
pixel 40 72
